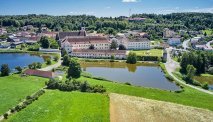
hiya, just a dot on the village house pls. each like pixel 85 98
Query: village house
pixel 138 44
pixel 45 74
pixel 195 40
pixel 48 34
pixel 3 31
pixel 174 41
pixel 88 53
pixel 72 43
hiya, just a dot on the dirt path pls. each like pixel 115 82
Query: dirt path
pixel 125 108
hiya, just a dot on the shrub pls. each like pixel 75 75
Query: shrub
pixel 205 86
pixel 6 115
pixel 12 110
pixel 5 70
pixel 128 83
pixel 19 69
pixel 48 61
pixel 56 58
pixel 131 58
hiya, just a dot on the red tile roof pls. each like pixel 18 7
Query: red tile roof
pixel 62 35
pixel 45 74
pixel 89 51
pixel 87 40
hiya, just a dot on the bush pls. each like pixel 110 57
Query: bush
pixel 205 86
pixel 48 61
pixel 5 70
pixel 74 85
pixel 128 83
pixel 6 115
pixel 56 58
pixel 19 69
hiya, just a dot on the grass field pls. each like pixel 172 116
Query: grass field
pixel 152 52
pixel 208 32
pixel 66 107
pixel 189 97
pixel 15 88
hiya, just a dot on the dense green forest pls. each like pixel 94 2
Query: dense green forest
pixel 154 24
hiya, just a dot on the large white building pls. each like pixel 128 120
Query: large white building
pixel 73 43
pixel 174 41
pixel 87 53
pixel 138 44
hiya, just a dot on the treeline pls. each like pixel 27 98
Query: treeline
pixel 201 60
pixel 74 86
pixel 153 25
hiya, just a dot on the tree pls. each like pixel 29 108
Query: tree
pixel 48 61
pixel 131 58
pixel 121 47
pixel 210 70
pixel 56 58
pixel 112 58
pixel 74 70
pixel 191 70
pixel 19 69
pixel 91 47
pixel 5 70
pixel 113 45
pixel 184 63
pixel 63 52
pixel 38 65
pixel 45 42
pixel 66 60
pixel 205 34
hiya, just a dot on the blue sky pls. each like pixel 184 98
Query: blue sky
pixel 102 7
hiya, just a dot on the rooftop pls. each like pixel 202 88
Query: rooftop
pixel 45 74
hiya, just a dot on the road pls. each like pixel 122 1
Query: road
pixel 49 68
pixel 171 65
pixel 185 44
pixel 209 44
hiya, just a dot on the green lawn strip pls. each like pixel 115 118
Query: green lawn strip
pixel 66 106
pixel 15 88
pixel 188 97
pixel 152 52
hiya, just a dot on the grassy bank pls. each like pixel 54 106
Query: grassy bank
pixel 152 52
pixel 188 97
pixel 66 106
pixel 15 88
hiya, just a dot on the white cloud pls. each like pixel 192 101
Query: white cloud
pixel 108 7
pixel 129 1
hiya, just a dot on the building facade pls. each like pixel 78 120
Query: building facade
pixel 138 44
pixel 87 53
pixel 73 43
pixel 174 41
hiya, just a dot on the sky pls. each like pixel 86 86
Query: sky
pixel 102 8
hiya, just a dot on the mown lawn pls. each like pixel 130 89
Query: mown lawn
pixel 189 97
pixel 66 107
pixel 152 52
pixel 14 89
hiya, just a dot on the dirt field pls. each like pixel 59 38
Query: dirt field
pixel 125 108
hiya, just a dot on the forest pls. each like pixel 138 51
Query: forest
pixel 153 24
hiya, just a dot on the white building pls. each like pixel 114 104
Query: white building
pixel 195 40
pixel 86 53
pixel 174 41
pixel 138 44
pixel 73 43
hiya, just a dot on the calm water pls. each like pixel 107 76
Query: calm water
pixel 137 74
pixel 19 59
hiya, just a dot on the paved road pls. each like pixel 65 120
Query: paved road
pixel 185 44
pixel 209 44
pixel 49 68
pixel 171 65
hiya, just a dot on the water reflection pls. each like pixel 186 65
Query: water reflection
pixel 140 74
